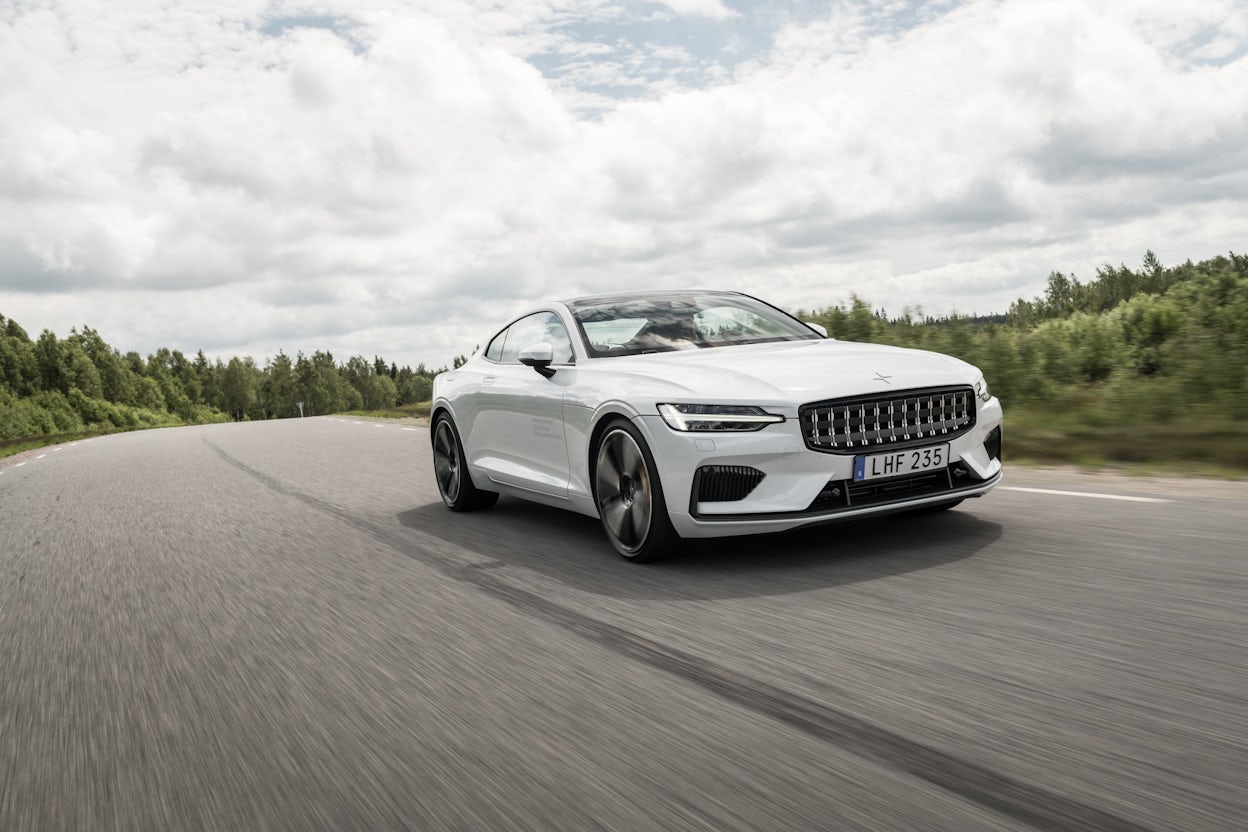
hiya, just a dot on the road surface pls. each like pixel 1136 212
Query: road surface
pixel 278 626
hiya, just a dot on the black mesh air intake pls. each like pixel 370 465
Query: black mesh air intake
pixel 726 483
pixel 993 444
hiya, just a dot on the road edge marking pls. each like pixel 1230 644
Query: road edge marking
pixel 1091 494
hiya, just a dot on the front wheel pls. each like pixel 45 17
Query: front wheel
pixel 451 472
pixel 629 496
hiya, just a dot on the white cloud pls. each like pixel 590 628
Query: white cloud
pixel 389 180
pixel 713 9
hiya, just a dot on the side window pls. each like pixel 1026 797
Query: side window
pixel 494 351
pixel 535 329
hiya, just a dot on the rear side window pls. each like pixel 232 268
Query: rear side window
pixel 494 351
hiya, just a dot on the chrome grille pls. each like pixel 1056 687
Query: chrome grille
pixel 907 417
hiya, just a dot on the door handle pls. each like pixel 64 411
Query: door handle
pixel 489 379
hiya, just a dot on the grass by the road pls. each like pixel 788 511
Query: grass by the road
pixel 14 447
pixel 1188 446
pixel 420 410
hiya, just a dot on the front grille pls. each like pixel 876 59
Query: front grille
pixel 907 417
pixel 883 491
pixel 725 483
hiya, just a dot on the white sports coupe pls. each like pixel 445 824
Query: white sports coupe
pixel 706 413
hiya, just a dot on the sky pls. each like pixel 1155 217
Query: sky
pixel 391 178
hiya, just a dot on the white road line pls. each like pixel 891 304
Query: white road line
pixel 381 426
pixel 357 423
pixel 1087 494
pixel 19 465
pixel 411 428
pixel 54 450
pixel 41 456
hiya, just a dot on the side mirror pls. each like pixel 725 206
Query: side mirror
pixel 538 356
pixel 820 328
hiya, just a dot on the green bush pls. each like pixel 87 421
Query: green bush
pixel 47 412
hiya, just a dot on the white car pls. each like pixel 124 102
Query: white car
pixel 703 414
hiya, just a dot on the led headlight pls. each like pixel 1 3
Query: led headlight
pixel 716 417
pixel 981 389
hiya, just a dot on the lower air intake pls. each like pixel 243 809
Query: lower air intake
pixel 726 483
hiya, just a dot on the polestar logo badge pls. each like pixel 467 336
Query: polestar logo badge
pixel 881 377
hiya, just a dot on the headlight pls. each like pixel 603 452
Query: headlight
pixel 716 417
pixel 981 389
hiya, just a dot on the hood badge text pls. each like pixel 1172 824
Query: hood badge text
pixel 881 377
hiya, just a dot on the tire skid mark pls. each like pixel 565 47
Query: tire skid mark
pixel 1033 805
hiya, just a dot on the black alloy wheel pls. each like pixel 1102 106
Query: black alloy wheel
pixel 454 481
pixel 629 496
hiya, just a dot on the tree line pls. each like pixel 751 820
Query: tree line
pixel 62 385
pixel 1158 343
pixel 1149 343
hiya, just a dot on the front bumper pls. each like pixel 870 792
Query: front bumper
pixel 801 487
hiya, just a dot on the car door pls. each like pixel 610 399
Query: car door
pixel 518 435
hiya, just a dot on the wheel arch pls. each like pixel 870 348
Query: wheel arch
pixel 439 408
pixel 605 415
pixel 658 539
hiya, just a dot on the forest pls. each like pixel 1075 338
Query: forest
pixel 1162 342
pixel 1159 354
pixel 81 384
pixel 1133 365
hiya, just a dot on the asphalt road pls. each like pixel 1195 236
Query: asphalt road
pixel 278 626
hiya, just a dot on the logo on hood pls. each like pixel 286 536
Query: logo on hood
pixel 881 377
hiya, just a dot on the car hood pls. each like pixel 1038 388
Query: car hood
pixel 785 372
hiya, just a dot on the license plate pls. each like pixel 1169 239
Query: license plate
pixel 900 463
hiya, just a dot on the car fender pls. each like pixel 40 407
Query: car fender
pixel 442 405
pixel 588 427
pixel 582 425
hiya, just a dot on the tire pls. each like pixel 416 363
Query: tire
pixel 629 496
pixel 450 471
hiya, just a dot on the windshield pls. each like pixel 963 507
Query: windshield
pixel 635 325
